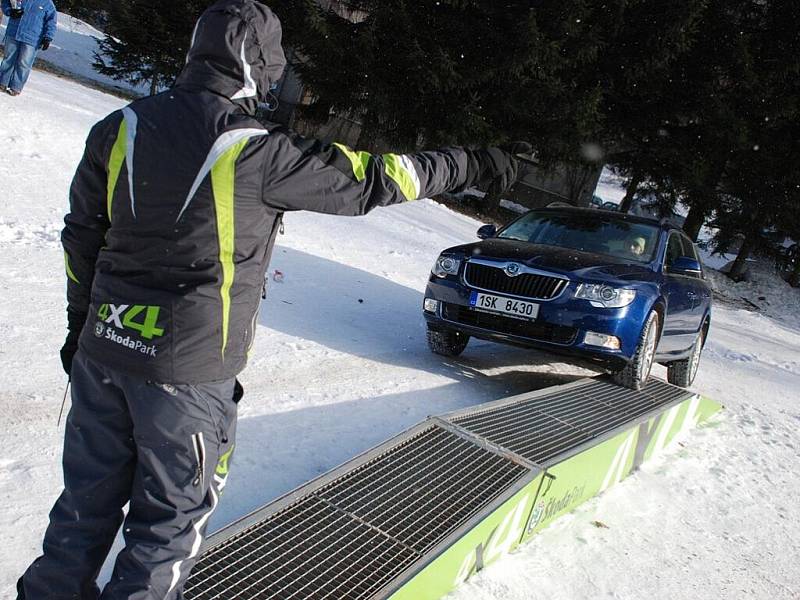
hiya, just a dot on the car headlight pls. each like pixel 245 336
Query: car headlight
pixel 445 266
pixel 604 296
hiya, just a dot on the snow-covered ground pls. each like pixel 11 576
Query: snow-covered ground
pixel 341 364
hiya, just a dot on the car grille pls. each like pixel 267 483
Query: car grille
pixel 545 332
pixel 528 285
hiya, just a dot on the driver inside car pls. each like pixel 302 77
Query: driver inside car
pixel 637 246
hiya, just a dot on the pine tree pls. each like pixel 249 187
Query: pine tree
pixel 411 71
pixel 761 183
pixel 649 118
pixel 706 90
pixel 561 73
pixel 147 40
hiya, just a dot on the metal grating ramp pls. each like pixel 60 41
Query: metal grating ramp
pixel 350 537
pixel 425 494
pixel 371 525
pixel 310 549
pixel 541 427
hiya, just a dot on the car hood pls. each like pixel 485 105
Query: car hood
pixel 557 260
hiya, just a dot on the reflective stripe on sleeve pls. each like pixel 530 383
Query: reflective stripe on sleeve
pixel 70 272
pixel 401 170
pixel 359 160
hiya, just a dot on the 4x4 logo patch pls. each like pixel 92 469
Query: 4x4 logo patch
pixel 143 320
pixel 123 316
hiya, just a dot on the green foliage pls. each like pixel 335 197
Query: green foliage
pixel 697 99
pixel 760 183
pixel 147 40
pixel 561 73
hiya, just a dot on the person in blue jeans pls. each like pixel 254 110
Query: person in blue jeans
pixel 31 27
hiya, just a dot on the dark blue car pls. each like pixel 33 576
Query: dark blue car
pixel 621 291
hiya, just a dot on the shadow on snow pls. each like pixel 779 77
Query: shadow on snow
pixel 319 301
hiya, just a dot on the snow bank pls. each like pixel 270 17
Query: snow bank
pixel 764 291
pixel 514 207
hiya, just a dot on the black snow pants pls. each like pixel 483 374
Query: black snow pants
pixel 165 449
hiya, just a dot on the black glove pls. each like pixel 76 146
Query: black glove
pixel 45 44
pixel 495 170
pixel 75 323
pixel 16 13
pixel 68 350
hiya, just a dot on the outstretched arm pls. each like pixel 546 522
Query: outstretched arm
pixel 306 174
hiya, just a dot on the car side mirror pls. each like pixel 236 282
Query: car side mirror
pixel 686 266
pixel 487 231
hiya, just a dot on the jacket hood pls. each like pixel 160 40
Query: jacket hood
pixel 235 51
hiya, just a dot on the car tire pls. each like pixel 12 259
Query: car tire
pixel 683 372
pixel 446 341
pixel 636 372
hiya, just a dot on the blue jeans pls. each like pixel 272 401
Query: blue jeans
pixel 17 64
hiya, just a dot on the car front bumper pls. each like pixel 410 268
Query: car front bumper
pixel 561 326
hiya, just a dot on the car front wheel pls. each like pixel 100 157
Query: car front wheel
pixel 446 341
pixel 635 374
pixel 683 372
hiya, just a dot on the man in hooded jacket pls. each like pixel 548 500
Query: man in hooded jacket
pixel 174 211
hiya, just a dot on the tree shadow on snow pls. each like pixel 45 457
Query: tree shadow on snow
pixel 367 315
pixel 319 301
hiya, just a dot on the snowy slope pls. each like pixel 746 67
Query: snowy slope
pixel 341 364
pixel 72 51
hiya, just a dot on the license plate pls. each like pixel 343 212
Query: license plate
pixel 505 306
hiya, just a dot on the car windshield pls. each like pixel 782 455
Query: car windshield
pixel 587 232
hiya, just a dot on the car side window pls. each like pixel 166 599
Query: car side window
pixel 690 250
pixel 674 250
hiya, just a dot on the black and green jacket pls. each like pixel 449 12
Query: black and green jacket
pixel 175 206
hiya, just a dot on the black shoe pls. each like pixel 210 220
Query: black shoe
pixel 11 92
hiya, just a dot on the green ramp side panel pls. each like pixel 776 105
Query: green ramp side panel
pixel 498 534
pixel 573 479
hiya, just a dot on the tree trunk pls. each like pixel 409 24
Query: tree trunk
pixel 492 203
pixel 154 85
pixel 633 186
pixel 695 220
pixel 740 264
pixel 794 280
pixel 578 176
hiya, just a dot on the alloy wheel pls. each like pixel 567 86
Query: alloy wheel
pixel 695 360
pixel 649 349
